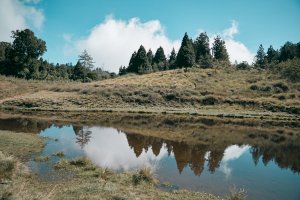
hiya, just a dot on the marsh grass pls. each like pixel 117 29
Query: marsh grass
pixel 41 158
pixel 7 165
pixel 76 163
pixel 144 174
pixel 59 154
pixel 237 194
pixel 20 145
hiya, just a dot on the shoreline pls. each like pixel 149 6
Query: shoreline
pixel 187 112
pixel 86 175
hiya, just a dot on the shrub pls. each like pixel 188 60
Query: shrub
pixel 280 87
pixel 170 96
pixel 290 69
pixel 243 65
pixel 266 89
pixel 254 87
pixel 209 101
pixel 281 97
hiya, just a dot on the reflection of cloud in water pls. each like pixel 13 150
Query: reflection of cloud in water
pixel 231 153
pixel 108 148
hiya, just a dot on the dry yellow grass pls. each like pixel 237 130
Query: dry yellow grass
pixel 204 91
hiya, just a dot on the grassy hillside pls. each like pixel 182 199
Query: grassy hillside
pixel 221 92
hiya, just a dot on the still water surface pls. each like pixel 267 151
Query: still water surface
pixel 182 165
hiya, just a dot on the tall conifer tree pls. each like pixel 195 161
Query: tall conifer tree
pixel 186 53
pixel 219 50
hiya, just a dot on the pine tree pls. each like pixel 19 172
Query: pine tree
pixel 141 61
pixel 122 70
pixel 172 60
pixel 288 51
pixel 160 59
pixel 260 57
pixel 298 50
pixel 272 54
pixel 150 56
pixel 86 60
pixel 202 49
pixel 219 50
pixel 79 72
pixel 132 66
pixel 186 54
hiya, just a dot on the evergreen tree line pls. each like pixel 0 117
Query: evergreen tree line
pixel 273 56
pixel 285 60
pixel 22 58
pixel 191 53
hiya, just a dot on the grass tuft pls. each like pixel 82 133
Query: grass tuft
pixel 144 175
pixel 41 158
pixel 237 194
pixel 7 165
pixel 80 162
pixel 59 154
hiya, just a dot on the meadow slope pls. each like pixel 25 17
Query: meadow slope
pixel 209 92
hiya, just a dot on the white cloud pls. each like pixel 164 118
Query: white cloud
pixel 230 32
pixel 237 50
pixel 112 42
pixel 15 15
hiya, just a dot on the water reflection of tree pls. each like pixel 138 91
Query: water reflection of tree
pixel 193 155
pixel 185 155
pixel 83 136
pixel 24 125
pixel 284 155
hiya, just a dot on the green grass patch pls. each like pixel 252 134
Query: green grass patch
pixel 59 154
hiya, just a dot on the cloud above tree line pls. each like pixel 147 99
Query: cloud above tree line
pixel 112 42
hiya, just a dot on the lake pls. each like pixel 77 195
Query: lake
pixel 199 154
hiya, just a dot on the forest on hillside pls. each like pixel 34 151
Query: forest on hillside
pixel 23 59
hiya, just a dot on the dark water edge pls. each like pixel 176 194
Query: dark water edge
pixel 201 154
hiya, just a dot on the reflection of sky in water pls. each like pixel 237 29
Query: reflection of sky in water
pixel 109 148
pixel 231 153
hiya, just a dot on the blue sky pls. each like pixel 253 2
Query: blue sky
pixel 69 26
